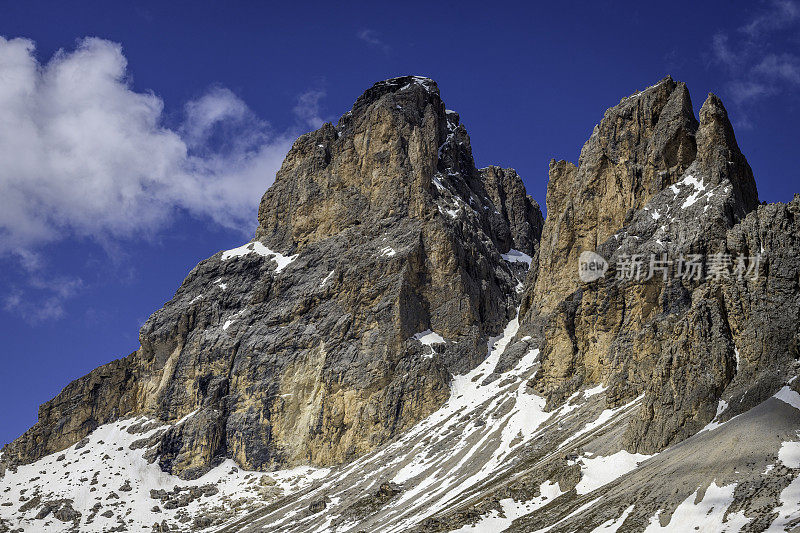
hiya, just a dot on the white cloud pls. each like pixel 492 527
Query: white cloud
pixel 218 106
pixel 372 38
pixel 83 154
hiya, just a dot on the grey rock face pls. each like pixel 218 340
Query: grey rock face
pixel 679 341
pixel 303 348
pixel 507 193
pixel 640 147
pixel 377 274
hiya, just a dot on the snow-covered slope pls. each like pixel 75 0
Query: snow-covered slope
pixel 104 483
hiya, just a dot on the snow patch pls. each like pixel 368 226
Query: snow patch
pixel 699 189
pixel 715 423
pixel 789 454
pixel 789 396
pixel 256 247
pixel 327 279
pixel 515 256
pixel 91 474
pixel 707 515
pixel 611 526
pixel 594 390
pixel 599 470
pixel 494 522
pixel 428 337
pixel 789 508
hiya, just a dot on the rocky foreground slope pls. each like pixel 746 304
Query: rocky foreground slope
pixel 407 346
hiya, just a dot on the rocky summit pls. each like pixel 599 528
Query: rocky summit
pixel 408 345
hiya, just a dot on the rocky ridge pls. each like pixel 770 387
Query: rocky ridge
pixel 311 343
pixel 687 341
pixel 383 340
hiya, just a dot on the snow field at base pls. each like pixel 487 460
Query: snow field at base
pixel 709 514
pixel 706 516
pixel 438 462
pixel 469 440
pixel 108 458
pixel 789 456
pixel 494 522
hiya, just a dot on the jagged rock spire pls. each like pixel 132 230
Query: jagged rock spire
pixel 398 153
pixel 719 156
pixel 640 147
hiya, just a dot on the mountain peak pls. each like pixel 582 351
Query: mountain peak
pixel 377 235
pixel 399 153
pixel 400 84
pixel 719 155
pixel 412 317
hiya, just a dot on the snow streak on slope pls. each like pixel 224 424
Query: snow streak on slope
pixel 703 513
pixel 483 431
pixel 493 429
pixel 256 247
pixel 496 521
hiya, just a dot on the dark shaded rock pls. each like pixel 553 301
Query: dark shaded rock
pixel 318 505
pixel 30 504
pixel 66 513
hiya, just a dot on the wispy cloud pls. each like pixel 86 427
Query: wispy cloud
pixel 307 108
pixel 372 38
pixel 43 299
pixel 782 14
pixel 83 155
pixel 753 57
pixel 743 91
pixel 783 67
pixel 722 52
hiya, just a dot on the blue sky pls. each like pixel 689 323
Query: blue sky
pixel 136 140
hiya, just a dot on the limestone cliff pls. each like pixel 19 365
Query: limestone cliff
pixel 376 272
pixel 653 182
pixel 371 324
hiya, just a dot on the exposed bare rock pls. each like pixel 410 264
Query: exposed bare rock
pixel 507 193
pixel 679 341
pixel 640 147
pixel 370 326
pixel 308 345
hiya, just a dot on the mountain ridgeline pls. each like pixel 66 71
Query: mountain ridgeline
pixel 352 332
pixel 391 231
